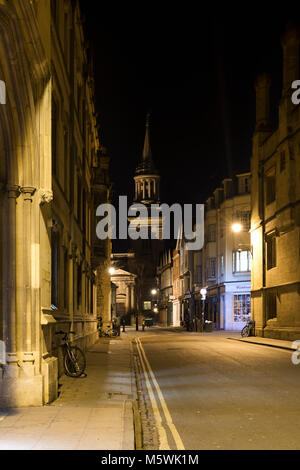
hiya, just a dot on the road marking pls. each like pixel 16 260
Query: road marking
pixel 163 440
pixel 172 427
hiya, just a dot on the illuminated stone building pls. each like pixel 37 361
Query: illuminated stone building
pixel 275 224
pixel 49 151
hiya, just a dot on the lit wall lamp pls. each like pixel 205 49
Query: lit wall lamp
pixel 236 228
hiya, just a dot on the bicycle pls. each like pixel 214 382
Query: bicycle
pixel 74 357
pixel 248 329
pixel 109 333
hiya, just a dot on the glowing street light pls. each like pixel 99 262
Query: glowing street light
pixel 236 228
pixel 112 270
pixel 154 292
pixel 203 293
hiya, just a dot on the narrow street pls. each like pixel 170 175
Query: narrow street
pixel 211 392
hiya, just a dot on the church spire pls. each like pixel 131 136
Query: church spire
pixel 147 154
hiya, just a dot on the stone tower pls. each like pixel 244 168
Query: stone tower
pixel 147 252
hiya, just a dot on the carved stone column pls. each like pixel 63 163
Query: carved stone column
pixel 9 274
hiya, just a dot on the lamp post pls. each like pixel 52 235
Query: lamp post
pixel 203 293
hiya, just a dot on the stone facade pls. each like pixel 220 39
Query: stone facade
pixel 275 224
pixel 49 140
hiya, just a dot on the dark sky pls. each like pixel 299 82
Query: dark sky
pixel 195 70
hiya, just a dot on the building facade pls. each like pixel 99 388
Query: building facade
pixel 49 140
pixel 165 285
pixel 226 256
pixel 125 294
pixel 275 223
pixel 176 288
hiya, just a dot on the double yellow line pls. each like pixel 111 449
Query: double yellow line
pixel 148 374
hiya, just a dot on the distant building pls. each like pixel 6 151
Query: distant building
pixel 165 281
pixel 176 288
pixel 223 267
pixel 125 294
pixel 275 222
pixel 147 251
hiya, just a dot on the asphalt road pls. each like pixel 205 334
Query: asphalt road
pixel 211 392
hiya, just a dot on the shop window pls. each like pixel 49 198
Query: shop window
pixel 242 307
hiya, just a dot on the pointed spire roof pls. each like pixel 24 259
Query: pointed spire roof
pixel 146 165
pixel 147 154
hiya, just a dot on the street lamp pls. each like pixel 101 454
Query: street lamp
pixel 237 228
pixel 111 270
pixel 203 293
pixel 154 292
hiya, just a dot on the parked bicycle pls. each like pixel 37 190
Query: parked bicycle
pixel 108 333
pixel 248 329
pixel 74 357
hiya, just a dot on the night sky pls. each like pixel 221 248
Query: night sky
pixel 195 71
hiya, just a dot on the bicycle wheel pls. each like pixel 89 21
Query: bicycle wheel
pixel 245 331
pixel 74 362
pixel 112 333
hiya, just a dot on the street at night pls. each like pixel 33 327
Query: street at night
pixel 149 231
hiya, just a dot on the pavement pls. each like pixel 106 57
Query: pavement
pixel 94 412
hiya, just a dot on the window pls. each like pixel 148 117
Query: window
pixel 211 268
pixel 241 261
pixel 79 285
pixel 79 202
pixel 147 305
pixel 245 219
pixel 55 268
pixel 66 279
pixel 66 163
pixel 212 233
pixel 222 265
pixel 271 251
pixel 271 305
pixel 244 185
pixel 282 161
pixel 270 189
pixel 54 136
pixel 242 308
pixel 199 274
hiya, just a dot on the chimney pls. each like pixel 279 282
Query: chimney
pixel 290 47
pixel 262 89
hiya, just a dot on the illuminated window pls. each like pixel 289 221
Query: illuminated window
pixel 241 261
pixel 242 307
pixel 147 305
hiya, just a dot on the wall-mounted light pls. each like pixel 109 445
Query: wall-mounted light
pixel 236 228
